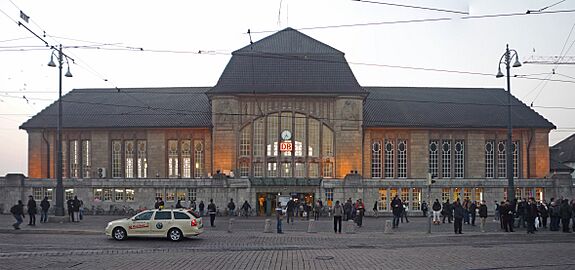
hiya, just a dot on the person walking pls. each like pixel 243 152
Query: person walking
pixel 375 212
pixel 396 208
pixel 212 213
pixel 32 211
pixel 436 207
pixel 246 207
pixel 424 208
pixel 482 215
pixel 18 212
pixel 447 211
pixel 337 213
pixel 565 214
pixel 458 213
pixel 76 208
pixel 231 208
pixel 44 206
pixel 279 217
pixel 201 208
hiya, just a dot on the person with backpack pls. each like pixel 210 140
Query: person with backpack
pixel 44 206
pixel 436 207
pixel 212 212
pixel 32 211
pixel 18 212
pixel 231 208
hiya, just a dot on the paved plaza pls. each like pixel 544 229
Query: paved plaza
pixel 84 246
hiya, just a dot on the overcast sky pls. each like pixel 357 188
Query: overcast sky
pixel 110 28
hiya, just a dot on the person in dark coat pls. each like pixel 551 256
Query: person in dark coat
pixel 347 208
pixel 77 204
pixel 212 212
pixel 179 204
pixel 436 211
pixel 424 208
pixel 246 208
pixel 18 212
pixel 544 213
pixel 483 215
pixel 396 208
pixel 530 215
pixel 565 214
pixel 231 208
pixel 157 203
pixel 201 208
pixel 70 205
pixel 507 216
pixel 473 212
pixel 458 213
pixel 447 211
pixel 32 210
pixel 45 206
pixel 554 214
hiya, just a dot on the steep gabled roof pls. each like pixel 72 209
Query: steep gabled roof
pixel 446 108
pixel 287 62
pixel 128 108
pixel 564 151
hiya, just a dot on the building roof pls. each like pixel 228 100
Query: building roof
pixel 556 166
pixel 287 62
pixel 564 151
pixel 446 108
pixel 128 108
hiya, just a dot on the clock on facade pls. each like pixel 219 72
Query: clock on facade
pixel 286 135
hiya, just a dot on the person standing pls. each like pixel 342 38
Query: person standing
pixel 32 211
pixel 279 217
pixel 360 212
pixel 473 212
pixel 337 216
pixel 201 208
pixel 447 211
pixel 507 216
pixel 465 205
pixel 157 203
pixel 18 212
pixel 193 205
pixel 375 212
pixel 544 212
pixel 76 208
pixel 496 211
pixel 554 214
pixel 436 207
pixel 317 209
pixel 290 208
pixel 424 208
pixel 70 205
pixel 404 211
pixel 232 208
pixel 44 206
pixel 246 207
pixel 161 203
pixel 482 215
pixel 179 204
pixel 573 214
pixel 530 215
pixel 565 214
pixel 396 209
pixel 458 214
pixel 212 213
pixel 347 209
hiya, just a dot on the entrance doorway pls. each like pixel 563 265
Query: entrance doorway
pixel 267 201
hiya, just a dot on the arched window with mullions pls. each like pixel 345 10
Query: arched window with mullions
pixel 312 152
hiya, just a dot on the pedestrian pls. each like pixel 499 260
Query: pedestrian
pixel 530 214
pixel 201 207
pixel 44 206
pixel 565 214
pixel 375 212
pixel 573 214
pixel 360 212
pixel 544 213
pixel 404 212
pixel 465 205
pixel 179 204
pixel 193 205
pixel 507 216
pixel 316 210
pixel 473 212
pixel 161 203
pixel 436 207
pixel 396 209
pixel 246 208
pixel 458 213
pixel 70 205
pixel 18 212
pixel 76 207
pixel 81 209
pixel 279 217
pixel 347 209
pixel 521 213
pixel 554 214
pixel 337 212
pixel 212 213
pixel 496 211
pixel 290 209
pixel 424 208
pixel 157 203
pixel 32 211
pixel 482 215
pixel 447 211
pixel 231 208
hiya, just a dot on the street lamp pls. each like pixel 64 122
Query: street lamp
pixel 506 59
pixel 59 208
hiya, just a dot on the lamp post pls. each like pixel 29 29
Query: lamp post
pixel 506 59
pixel 59 208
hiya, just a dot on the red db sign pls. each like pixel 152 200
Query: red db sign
pixel 286 147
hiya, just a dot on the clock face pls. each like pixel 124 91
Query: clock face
pixel 286 135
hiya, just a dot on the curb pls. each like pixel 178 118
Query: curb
pixel 48 231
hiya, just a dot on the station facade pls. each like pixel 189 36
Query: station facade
pixel 287 118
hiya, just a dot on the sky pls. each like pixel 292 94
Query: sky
pixel 104 38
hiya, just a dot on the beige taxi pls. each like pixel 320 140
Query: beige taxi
pixel 175 224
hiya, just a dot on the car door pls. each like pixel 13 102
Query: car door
pixel 161 223
pixel 140 224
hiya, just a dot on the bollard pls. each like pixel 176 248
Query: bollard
pixel 268 226
pixel 350 226
pixel 387 228
pixel 311 226
pixel 230 225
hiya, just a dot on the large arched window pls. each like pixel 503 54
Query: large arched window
pixel 288 145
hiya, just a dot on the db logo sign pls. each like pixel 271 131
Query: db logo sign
pixel 286 147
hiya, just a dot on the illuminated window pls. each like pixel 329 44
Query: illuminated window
pixel 258 169
pixel 74 159
pixel 328 169
pixel 286 124
pixel 116 159
pixel 327 142
pixel 160 193
pixel 539 196
pixel 130 195
pixel 142 164
pixel 388 161
pixel 433 157
pixel 98 194
pixel 299 135
pixel 478 194
pixel 404 196
pixel 119 194
pixel 272 170
pixel 445 194
pixel 329 196
pixel 173 158
pixel 467 193
pixel 64 159
pixel 181 194
pixel 501 160
pixel 107 194
pixel 286 169
pixel 401 159
pixel 272 138
pixel 392 193
pixel 446 159
pixel 198 158
pixel 129 163
pixel 382 204
pixel 456 194
pixel 86 159
pixel 245 139
pixel 489 159
pixel 416 199
pixel 313 141
pixel 69 194
pixel 459 159
pixel 170 195
pixel 186 158
pixel 48 192
pixel 38 193
pixel 259 132
pixel 376 159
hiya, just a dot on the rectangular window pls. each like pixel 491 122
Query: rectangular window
pixel 116 159
pixel 160 193
pixel 459 159
pixel 38 193
pixel 467 193
pixel 456 194
pixel 445 194
pixel 404 196
pixel 119 194
pixel 173 168
pixel 98 194
pixel 186 146
pixel 327 142
pixel 130 194
pixel 244 169
pixel 446 159
pixel 286 124
pixel 198 158
pixel 74 159
pixel 329 196
pixel 259 138
pixel 170 194
pixel 299 170
pixel 107 194
pixel 382 204
pixel 286 169
pixel 299 135
pixel 129 159
pixel 401 159
pixel 393 192
pixel 504 194
pixel 416 199
pixel 245 140
pixel 69 194
pixel 313 170
pixel 86 159
pixel 181 194
pixel 519 193
pixel 389 156
pixel 328 169
pixel 539 194
pixel 433 157
pixel 313 141
pixel 192 194
pixel 272 169
pixel 478 194
pixel 489 159
pixel 516 152
pixel 501 160
pixel 376 159
pixel 258 169
pixel 49 192
pixel 272 136
pixel 65 159
pixel 142 164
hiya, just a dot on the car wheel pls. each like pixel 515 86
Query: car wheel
pixel 119 233
pixel 175 234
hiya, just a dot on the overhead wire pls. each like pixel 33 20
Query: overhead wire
pixel 412 7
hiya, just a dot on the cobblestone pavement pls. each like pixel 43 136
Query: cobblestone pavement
pixel 51 246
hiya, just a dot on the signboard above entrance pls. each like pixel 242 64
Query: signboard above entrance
pixel 286 146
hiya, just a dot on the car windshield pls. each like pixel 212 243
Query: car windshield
pixel 144 216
